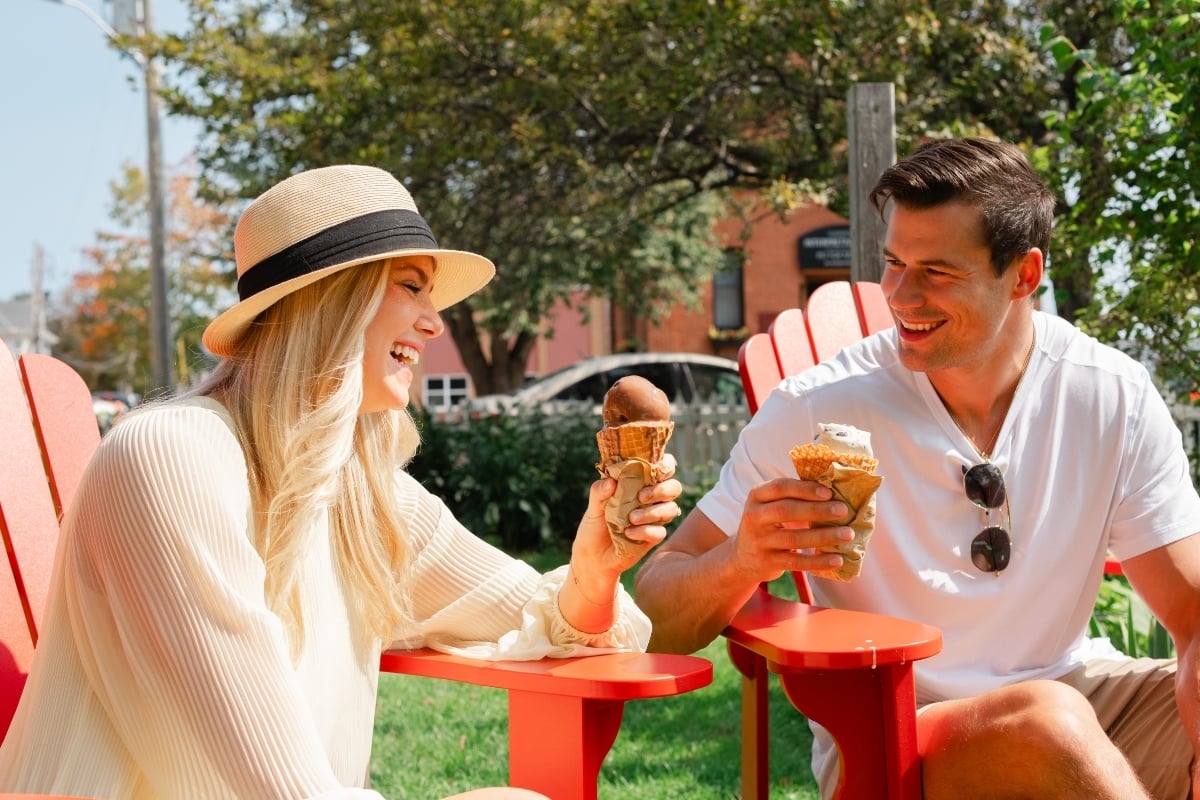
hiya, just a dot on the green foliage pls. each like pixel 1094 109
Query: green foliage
pixel 587 143
pixel 590 143
pixel 518 481
pixel 102 318
pixel 1127 156
pixel 1120 615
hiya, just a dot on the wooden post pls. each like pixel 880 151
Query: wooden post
pixel 871 112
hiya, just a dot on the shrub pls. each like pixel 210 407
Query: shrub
pixel 518 481
pixel 1121 615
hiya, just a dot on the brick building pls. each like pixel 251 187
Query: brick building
pixel 774 265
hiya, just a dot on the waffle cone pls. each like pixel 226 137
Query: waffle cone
pixel 632 455
pixel 644 441
pixel 852 478
pixel 814 460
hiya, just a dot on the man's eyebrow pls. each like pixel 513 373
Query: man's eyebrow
pixel 930 262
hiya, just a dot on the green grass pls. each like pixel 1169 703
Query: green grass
pixel 434 738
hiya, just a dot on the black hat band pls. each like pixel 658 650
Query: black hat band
pixel 361 237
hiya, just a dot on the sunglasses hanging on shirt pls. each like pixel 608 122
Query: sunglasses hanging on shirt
pixel 991 548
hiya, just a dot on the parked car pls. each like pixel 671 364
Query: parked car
pixel 684 377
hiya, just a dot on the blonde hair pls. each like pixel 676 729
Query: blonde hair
pixel 294 386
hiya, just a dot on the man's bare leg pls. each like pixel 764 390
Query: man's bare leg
pixel 1033 740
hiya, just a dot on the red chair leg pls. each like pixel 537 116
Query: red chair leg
pixel 863 710
pixel 756 740
pixel 557 743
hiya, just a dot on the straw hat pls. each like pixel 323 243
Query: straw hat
pixel 318 222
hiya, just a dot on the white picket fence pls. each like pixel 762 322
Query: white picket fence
pixel 705 434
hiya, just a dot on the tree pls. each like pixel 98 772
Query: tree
pixel 1129 155
pixel 103 317
pixel 556 136
pixel 561 137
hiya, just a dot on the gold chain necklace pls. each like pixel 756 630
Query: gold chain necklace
pixel 984 453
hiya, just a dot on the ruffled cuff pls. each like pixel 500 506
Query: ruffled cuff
pixel 545 633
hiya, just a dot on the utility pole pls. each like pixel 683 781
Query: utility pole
pixel 160 315
pixel 37 302
pixel 130 21
pixel 871 109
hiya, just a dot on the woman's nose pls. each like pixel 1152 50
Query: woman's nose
pixel 430 322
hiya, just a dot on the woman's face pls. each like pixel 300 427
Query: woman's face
pixel 396 336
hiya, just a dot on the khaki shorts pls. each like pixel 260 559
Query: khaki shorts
pixel 1134 700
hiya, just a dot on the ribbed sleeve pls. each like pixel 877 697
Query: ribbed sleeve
pixel 162 673
pixel 474 600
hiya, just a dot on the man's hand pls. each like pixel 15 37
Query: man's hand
pixel 776 534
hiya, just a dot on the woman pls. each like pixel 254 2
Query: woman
pixel 236 559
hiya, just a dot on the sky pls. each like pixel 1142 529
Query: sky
pixel 72 111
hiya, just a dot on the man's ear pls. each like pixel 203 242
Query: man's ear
pixel 1029 273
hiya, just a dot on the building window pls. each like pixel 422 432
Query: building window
pixel 727 308
pixel 442 392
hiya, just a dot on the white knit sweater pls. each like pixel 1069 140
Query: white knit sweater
pixel 161 673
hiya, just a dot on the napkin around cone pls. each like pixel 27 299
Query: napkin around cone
pixel 853 485
pixel 632 455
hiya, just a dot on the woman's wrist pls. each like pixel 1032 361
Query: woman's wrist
pixel 606 596
pixel 588 604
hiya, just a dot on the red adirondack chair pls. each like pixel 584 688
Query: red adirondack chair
pixel 849 671
pixel 564 714
pixel 877 743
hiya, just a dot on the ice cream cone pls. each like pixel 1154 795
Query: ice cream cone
pixel 644 441
pixel 841 459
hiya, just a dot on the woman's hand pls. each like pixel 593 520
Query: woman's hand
pixel 593 541
pixel 596 561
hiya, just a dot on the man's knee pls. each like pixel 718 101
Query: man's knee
pixel 1050 718
pixel 1039 738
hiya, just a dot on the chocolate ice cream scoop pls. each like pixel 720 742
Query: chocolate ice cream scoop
pixel 635 399
pixel 633 441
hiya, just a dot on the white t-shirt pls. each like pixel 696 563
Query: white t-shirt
pixel 1092 462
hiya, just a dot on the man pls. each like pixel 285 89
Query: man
pixel 973 391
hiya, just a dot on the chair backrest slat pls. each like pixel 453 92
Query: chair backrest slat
pixel 759 369
pixel 29 517
pixel 793 343
pixel 833 320
pixel 29 525
pixel 65 421
pixel 873 310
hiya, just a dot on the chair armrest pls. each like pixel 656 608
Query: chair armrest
pixel 849 671
pixel 793 635
pixel 613 676
pixel 563 713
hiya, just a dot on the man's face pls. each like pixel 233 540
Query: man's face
pixel 949 306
